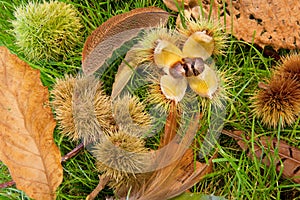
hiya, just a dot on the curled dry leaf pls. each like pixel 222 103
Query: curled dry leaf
pixel 181 174
pixel 27 146
pixel 113 33
pixel 264 148
pixel 273 23
pixel 174 179
pixel 139 17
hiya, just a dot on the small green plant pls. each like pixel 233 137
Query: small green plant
pixel 46 31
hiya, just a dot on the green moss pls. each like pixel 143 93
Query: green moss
pixel 47 31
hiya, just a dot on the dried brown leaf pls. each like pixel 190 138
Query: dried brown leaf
pixel 289 157
pixel 175 4
pixel 191 9
pixel 179 175
pixel 101 43
pixel 126 69
pixel 175 178
pixel 273 23
pixel 27 146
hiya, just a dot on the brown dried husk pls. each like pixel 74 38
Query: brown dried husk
pixel 273 23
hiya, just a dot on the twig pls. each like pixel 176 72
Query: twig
pixel 237 135
pixel 7 184
pixel 72 153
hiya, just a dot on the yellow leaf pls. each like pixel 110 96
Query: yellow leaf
pixel 27 147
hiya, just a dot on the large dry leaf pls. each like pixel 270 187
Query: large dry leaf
pixel 113 33
pixel 289 156
pixel 27 147
pixel 273 23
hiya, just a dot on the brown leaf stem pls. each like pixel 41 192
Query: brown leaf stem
pixel 234 134
pixel 171 125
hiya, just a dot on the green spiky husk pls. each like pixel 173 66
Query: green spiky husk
pixel 47 31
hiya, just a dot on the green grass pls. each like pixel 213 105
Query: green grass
pixel 235 175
